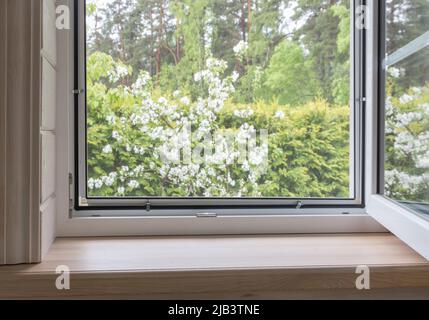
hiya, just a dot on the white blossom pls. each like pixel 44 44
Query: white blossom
pixel 162 100
pixel 406 98
pixel 111 119
pixel 133 184
pixel 243 113
pixel 279 114
pixel 241 48
pixel 165 123
pixel 107 149
pixel 185 101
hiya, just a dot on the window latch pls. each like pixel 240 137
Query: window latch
pixel 147 206
pixel 71 202
pixel 299 204
pixel 206 215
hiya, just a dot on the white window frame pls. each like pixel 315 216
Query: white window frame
pixel 398 219
pixel 85 205
pixel 309 219
pixel 378 213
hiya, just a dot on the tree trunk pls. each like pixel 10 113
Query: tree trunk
pixel 249 17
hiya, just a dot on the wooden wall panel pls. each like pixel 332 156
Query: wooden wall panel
pixel 48 96
pixel 20 125
pixel 18 129
pixel 3 97
pixel 47 130
pixel 49 31
pixel 34 250
pixel 48 167
pixel 48 213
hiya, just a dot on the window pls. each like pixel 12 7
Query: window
pixel 406 97
pixel 218 103
pixel 271 116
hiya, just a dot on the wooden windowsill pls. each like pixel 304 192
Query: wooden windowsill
pixel 275 266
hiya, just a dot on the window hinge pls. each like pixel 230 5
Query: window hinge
pixel 78 91
pixel 299 204
pixel 206 215
pixel 83 202
pixel 147 205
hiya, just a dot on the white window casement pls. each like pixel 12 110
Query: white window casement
pixel 399 198
pixel 366 208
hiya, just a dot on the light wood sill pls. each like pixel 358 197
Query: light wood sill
pixel 282 266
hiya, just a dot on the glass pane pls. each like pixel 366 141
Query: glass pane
pixel 405 21
pixel 407 131
pixel 218 98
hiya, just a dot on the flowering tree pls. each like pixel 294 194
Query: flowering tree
pixel 407 143
pixel 153 132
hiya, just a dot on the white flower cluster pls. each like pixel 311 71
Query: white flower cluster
pixel 243 113
pixel 107 149
pixel 118 73
pixel 142 82
pixel 395 72
pixel 241 49
pixel 182 152
pixel 279 114
pixel 408 123
pixel 108 181
pixel 412 183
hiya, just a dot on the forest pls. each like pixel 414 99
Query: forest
pixel 235 98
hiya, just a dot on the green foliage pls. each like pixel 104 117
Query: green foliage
pixel 292 78
pixel 294 84
pixel 289 77
pixel 308 146
pixel 325 35
pixel 341 80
